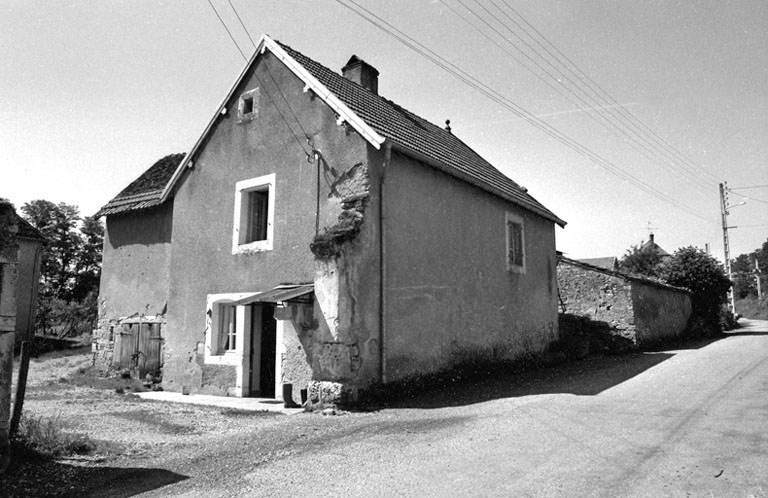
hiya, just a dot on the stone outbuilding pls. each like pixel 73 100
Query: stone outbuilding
pixel 641 310
pixel 321 236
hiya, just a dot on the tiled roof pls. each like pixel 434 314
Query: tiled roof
pixel 416 134
pixel 608 262
pixel 146 190
pixel 27 231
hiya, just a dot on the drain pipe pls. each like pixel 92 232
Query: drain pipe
pixel 383 265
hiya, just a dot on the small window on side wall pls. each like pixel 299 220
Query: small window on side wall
pixel 248 106
pixel 515 243
pixel 254 215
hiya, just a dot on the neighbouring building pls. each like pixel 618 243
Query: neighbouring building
pixel 639 309
pixel 608 262
pixel 320 235
pixel 20 252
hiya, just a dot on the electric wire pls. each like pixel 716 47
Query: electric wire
pixel 749 197
pixel 594 106
pixel 749 187
pixel 261 83
pixel 595 87
pixel 266 66
pixel 519 111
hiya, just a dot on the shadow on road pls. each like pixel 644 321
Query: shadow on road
pixel 586 377
pixel 42 477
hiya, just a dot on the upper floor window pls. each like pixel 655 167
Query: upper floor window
pixel 515 243
pixel 254 214
pixel 248 106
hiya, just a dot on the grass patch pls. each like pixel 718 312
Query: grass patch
pixel 46 437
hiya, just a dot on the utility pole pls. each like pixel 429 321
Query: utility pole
pixel 726 248
pixel 757 277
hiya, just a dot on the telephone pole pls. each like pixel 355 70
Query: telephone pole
pixel 726 248
pixel 757 278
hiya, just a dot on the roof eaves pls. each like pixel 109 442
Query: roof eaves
pixel 344 112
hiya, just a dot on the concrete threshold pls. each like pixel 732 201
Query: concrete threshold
pixel 246 404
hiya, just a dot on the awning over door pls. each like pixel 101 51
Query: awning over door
pixel 297 293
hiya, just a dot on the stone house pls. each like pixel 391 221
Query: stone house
pixel 320 235
pixel 639 309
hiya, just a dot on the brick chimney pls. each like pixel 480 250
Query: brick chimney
pixel 362 73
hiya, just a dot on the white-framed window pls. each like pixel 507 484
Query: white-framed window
pixel 248 106
pixel 254 215
pixel 226 339
pixel 225 328
pixel 515 231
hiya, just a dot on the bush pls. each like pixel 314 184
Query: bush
pixel 697 271
pixel 46 437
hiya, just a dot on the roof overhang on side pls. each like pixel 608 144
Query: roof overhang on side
pixel 473 181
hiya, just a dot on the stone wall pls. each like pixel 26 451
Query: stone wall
pixel 600 296
pixel 643 311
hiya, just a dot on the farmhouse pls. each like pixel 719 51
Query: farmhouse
pixel 320 236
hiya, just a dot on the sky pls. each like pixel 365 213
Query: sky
pixel 92 93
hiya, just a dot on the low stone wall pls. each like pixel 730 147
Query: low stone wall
pixel 643 311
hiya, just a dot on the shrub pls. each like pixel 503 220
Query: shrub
pixel 46 437
pixel 697 271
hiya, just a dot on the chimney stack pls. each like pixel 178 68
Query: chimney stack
pixel 362 73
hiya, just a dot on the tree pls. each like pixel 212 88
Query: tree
pixel 743 269
pixel 88 260
pixel 694 269
pixel 641 262
pixel 71 265
pixel 57 223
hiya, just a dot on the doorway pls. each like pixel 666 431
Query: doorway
pixel 263 350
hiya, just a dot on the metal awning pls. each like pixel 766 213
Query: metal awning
pixel 282 293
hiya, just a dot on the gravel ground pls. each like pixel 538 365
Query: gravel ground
pixel 161 449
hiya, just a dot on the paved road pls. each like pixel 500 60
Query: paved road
pixel 689 422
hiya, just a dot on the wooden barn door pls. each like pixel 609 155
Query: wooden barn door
pixel 139 347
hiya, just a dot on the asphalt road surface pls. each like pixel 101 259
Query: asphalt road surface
pixel 678 423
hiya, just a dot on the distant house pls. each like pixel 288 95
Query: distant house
pixel 650 246
pixel 319 235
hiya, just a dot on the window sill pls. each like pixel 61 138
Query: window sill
pixel 253 247
pixel 227 358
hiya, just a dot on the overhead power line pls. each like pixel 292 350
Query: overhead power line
pixel 261 83
pixel 516 109
pixel 597 104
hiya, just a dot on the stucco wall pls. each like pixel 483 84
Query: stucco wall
pixel 202 261
pixel 660 314
pixel 450 295
pixel 137 253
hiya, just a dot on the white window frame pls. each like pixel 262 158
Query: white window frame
pixel 242 188
pixel 242 116
pixel 513 218
pixel 213 353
